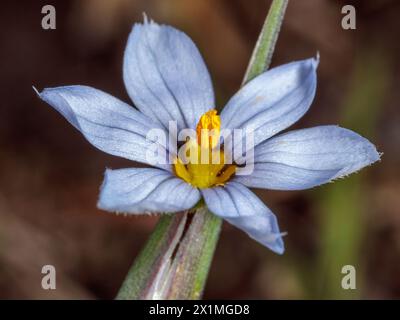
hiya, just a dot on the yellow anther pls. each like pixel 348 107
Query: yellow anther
pixel 208 129
pixel 205 167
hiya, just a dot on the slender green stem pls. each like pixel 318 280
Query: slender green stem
pixel 174 263
pixel 165 236
pixel 262 53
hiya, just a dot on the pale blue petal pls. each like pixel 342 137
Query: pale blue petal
pixel 272 101
pixel 240 207
pixel 165 75
pixel 306 158
pixel 145 190
pixel 106 122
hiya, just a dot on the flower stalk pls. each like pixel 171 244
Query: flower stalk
pixel 175 261
pixel 265 45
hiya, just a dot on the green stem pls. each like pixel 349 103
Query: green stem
pixel 174 263
pixel 262 53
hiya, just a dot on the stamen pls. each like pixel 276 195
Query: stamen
pixel 208 128
pixel 205 167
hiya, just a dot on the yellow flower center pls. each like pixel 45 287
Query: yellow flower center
pixel 204 165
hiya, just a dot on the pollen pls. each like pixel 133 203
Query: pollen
pixel 202 163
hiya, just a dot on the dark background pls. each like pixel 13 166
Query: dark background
pixel 50 176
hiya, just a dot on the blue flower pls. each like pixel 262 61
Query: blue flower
pixel 167 79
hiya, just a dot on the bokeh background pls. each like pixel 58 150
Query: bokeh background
pixel 50 176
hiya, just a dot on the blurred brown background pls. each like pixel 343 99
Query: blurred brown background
pixel 50 176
